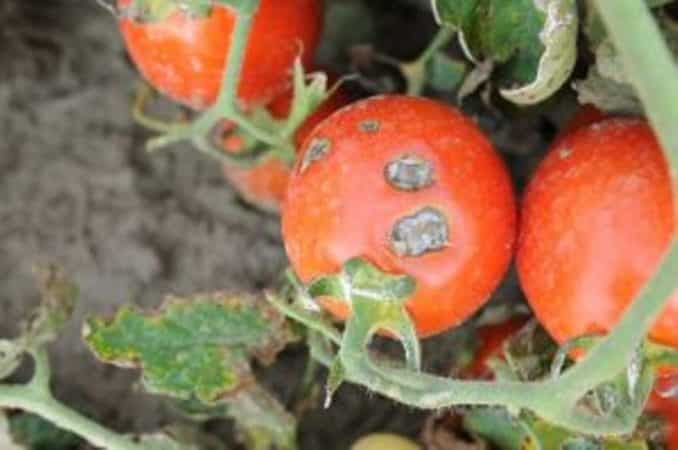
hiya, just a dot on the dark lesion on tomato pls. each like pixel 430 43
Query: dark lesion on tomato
pixel 409 172
pixel 423 232
pixel 317 149
pixel 370 126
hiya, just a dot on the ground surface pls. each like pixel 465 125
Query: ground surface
pixel 77 188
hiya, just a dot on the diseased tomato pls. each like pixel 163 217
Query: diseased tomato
pixel 264 185
pixel 597 218
pixel 184 56
pixel 491 340
pixel 415 188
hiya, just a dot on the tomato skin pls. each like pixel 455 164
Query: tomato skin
pixel 342 206
pixel 184 57
pixel 597 218
pixel 265 184
pixel 667 409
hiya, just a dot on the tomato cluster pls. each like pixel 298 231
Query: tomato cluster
pixel 416 188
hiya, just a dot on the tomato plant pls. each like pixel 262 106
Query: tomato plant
pixel 184 56
pixel 399 217
pixel 433 201
pixel 265 183
pixel 597 217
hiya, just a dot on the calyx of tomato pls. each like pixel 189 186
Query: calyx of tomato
pixel 377 301
pixel 158 10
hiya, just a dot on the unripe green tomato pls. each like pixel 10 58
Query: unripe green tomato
pixel 384 441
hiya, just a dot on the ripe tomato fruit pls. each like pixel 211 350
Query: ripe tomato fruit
pixel 264 185
pixel 415 188
pixel 667 410
pixel 184 56
pixel 597 218
pixel 586 115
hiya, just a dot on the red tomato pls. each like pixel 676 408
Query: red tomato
pixel 596 220
pixel 491 340
pixel 265 184
pixel 414 187
pixel 667 409
pixel 184 57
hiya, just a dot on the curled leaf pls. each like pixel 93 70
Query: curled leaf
pixel 532 43
pixel 559 37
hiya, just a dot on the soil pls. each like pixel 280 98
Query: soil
pixel 77 188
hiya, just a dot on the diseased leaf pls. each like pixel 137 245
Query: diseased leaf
pixel 255 411
pixel 532 43
pixel 58 296
pixel 192 347
pixel 36 433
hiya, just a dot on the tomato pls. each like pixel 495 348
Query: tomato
pixel 491 340
pixel 384 441
pixel 184 56
pixel 666 409
pixel 415 188
pixel 597 218
pixel 265 184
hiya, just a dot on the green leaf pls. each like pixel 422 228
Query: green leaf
pixel 531 42
pixel 36 433
pixel 198 346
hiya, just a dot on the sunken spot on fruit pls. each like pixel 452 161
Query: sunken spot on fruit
pixel 370 126
pixel 317 149
pixel 422 232
pixel 409 173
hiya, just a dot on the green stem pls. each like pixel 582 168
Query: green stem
pixel 236 56
pixel 609 358
pixel 415 71
pixel 28 399
pixel 41 372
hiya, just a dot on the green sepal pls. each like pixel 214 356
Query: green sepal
pixel 360 278
pixel 198 346
pixel 532 43
pixel 310 90
pixel 149 11
pixel 335 378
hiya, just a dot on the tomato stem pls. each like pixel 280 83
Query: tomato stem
pixel 35 398
pixel 415 71
pixel 228 94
